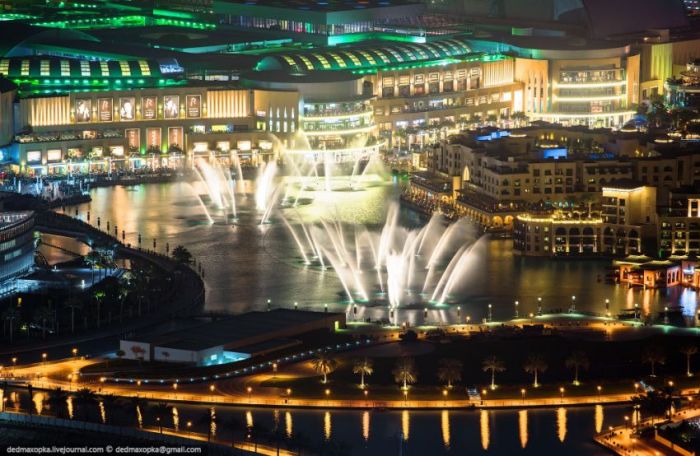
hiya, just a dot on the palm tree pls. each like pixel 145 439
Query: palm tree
pixel 534 365
pixel 363 366
pixel 450 371
pixel 653 355
pixel 85 397
pixel 688 351
pixel 475 119
pixel 518 117
pixel 99 296
pixel 494 365
pixel 324 364
pixel 577 360
pixel 42 315
pixel 73 303
pixel 57 401
pixel 11 315
pixel 405 372
pixel 161 411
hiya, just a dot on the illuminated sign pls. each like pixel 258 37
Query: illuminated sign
pixel 265 144
pixel 133 138
pixel 175 137
pixel 149 107
pixel 243 145
pixel 194 106
pixel 117 151
pixel 153 138
pixel 34 156
pixel 53 155
pixel 127 108
pixel 171 106
pixel 200 147
pixel 83 110
pixel 104 109
pixel 223 146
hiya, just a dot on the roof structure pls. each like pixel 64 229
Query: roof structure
pixel 366 56
pixel 56 67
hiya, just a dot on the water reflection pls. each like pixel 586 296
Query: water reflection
pixel 561 424
pixel 327 425
pixel 176 419
pixel 38 400
pixel 249 419
pixel 288 424
pixel 103 412
pixel 212 422
pixel 139 416
pixel 405 425
pixel 365 425
pixel 484 427
pixel 445 427
pixel 599 418
pixel 522 426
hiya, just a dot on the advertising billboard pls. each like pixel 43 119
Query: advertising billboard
pixel 127 108
pixel 104 109
pixel 83 110
pixel 149 108
pixel 153 138
pixel 171 106
pixel 175 138
pixel 194 106
pixel 133 139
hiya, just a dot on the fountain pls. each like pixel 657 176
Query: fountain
pixel 395 267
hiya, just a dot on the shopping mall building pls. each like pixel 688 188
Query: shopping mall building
pixel 133 87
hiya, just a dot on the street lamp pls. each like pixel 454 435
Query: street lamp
pixel 14 360
pixel 43 357
pixel 296 305
pixel 444 396
pixel 598 388
pixel 75 352
pixel 561 392
pixel 175 389
pixel 539 305
pixel 211 390
pixel 573 304
pixel 522 394
pixel 289 391
pixel 516 308
pixel 627 419
pixel 490 314
pixel 249 390
pixel 405 396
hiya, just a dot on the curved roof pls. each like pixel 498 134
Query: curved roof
pixel 57 67
pixel 15 33
pixel 351 58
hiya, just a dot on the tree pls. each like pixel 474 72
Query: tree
pixel 324 364
pixel 362 366
pixel 99 296
pixel 688 351
pixel 494 365
pixel 405 372
pixel 57 401
pixel 450 371
pixel 519 117
pixel 535 365
pixel 42 315
pixel 120 354
pixel 475 119
pixel 653 355
pixel 73 303
pixel 656 402
pixel 492 119
pixel 161 410
pixel 181 255
pixel 577 360
pixel 11 315
pixel 85 398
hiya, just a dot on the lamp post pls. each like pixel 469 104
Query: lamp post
pixel 607 308
pixel 296 305
pixel 365 392
pixel 269 302
pixel 459 313
pixel 539 305
pixel 327 393
pixel 405 397
pixel 249 390
pixel 43 357
pixel 561 392
pixel 75 352
pixel 444 397
pixel 159 424
pixel 665 315
pixel 636 311
pixel 175 389
pixel 517 303
pixel 598 388
pixel 211 390
pixel 573 304
pixel 522 394
pixel 14 361
pixel 490 314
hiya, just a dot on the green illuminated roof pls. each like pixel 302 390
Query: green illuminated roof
pixel 56 67
pixel 363 57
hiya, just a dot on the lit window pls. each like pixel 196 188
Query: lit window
pixel 4 66
pixel 395 54
pixel 307 62
pixel 338 60
pixel 290 61
pixel 65 68
pixel 45 68
pixel 408 52
pixel 145 69
pixel 85 68
pixel 324 62
pixel 382 56
pixel 104 69
pixel 124 66
pixel 367 57
pixel 24 70
pixel 355 61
